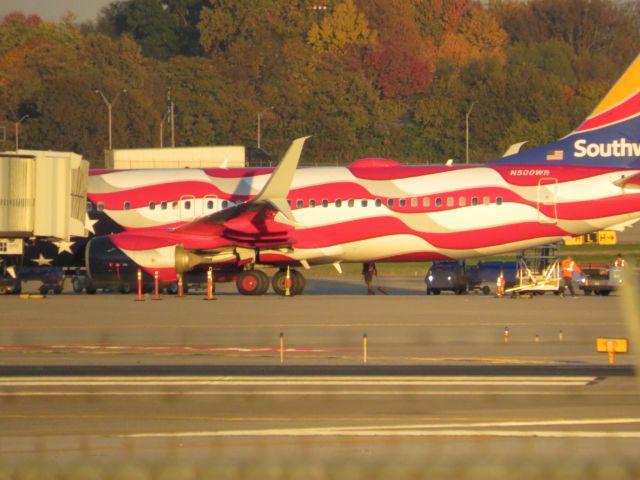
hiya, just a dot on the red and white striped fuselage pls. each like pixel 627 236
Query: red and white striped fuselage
pixel 372 210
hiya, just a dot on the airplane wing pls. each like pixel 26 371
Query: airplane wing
pixel 253 222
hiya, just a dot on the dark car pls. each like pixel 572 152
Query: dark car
pixel 446 276
pixel 482 277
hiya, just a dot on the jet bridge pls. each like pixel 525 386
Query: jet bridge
pixel 42 195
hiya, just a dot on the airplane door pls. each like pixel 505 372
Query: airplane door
pixel 547 205
pixel 187 207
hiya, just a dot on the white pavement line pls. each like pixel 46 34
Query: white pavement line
pixel 400 433
pixel 422 430
pixel 284 393
pixel 298 381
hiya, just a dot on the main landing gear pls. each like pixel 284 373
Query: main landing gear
pixel 256 282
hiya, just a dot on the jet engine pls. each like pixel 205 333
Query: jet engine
pixel 113 261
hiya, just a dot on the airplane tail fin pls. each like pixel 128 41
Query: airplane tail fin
pixel 610 135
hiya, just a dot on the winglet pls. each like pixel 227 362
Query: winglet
pixel 277 188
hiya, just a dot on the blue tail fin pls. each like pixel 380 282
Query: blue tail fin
pixel 609 136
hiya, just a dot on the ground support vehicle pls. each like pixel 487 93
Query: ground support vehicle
pixel 600 278
pixel 483 276
pixel 446 276
pixel 538 272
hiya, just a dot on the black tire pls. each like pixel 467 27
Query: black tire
pixel 277 282
pixel 264 282
pixel 297 283
pixel 435 291
pixel 486 290
pixel 77 285
pixel 605 293
pixel 3 290
pixel 249 283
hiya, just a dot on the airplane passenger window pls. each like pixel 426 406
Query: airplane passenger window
pixel 338 202
pixel 450 201
pixel 163 205
pixel 289 202
pixel 351 202
pixel 174 205
pixel 474 200
pixel 325 203
pixel 438 202
pixel 486 200
pixel 225 204
pixel 414 202
pixel 127 205
pixel 152 205
pixel 390 202
pixel 462 201
pixel 403 202
pixel 89 207
pixel 187 205
pixel 299 203
pixel 378 202
pixel 364 203
pixel 210 204
pixel 100 206
pixel 498 200
pixel 312 203
pixel 426 201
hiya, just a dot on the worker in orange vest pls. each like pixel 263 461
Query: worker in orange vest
pixel 619 261
pixel 568 267
pixel 500 284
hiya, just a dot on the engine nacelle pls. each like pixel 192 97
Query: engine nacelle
pixel 113 261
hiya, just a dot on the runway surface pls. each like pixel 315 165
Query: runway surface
pixel 109 383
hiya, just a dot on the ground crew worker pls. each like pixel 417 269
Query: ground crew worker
pixel 368 272
pixel 500 284
pixel 568 267
pixel 619 261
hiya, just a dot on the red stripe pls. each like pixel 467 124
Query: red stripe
pixel 616 114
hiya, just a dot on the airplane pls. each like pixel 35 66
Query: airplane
pixel 185 221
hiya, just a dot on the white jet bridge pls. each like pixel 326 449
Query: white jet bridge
pixel 42 195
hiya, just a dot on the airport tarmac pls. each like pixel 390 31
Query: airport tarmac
pixel 108 383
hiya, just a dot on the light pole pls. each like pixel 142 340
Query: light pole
pixel 24 117
pixel 467 132
pixel 109 105
pixel 259 118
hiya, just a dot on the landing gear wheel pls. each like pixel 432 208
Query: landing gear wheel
pixel 77 285
pixel 277 282
pixel 264 282
pixel 252 282
pixel 297 283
